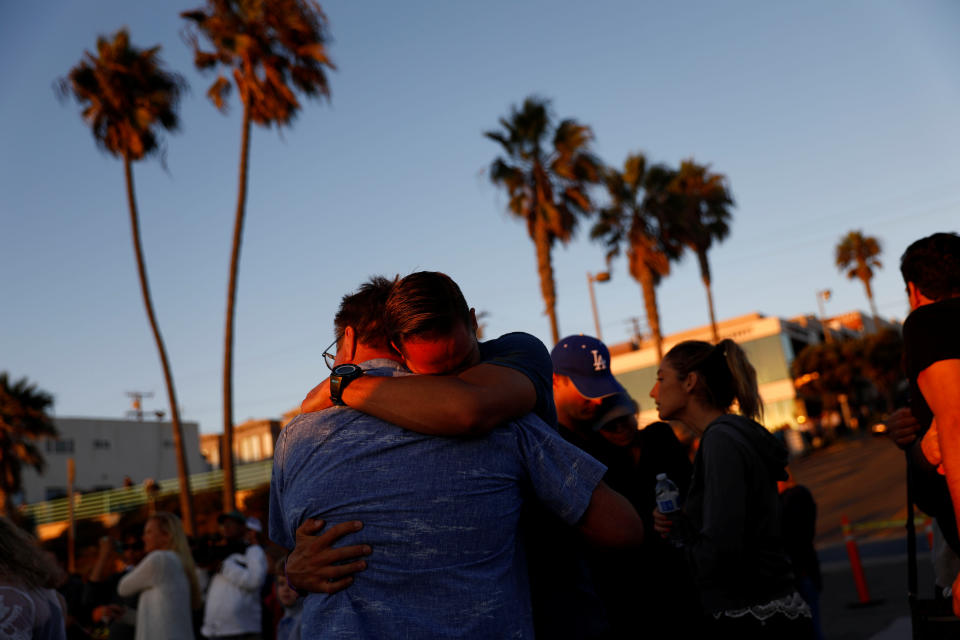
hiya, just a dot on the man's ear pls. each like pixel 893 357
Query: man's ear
pixel 916 297
pixel 348 345
pixel 473 321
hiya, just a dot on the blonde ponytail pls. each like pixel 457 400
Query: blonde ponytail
pixel 744 379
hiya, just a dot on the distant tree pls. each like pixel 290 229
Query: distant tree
pixel 23 421
pixel 127 97
pixel 857 255
pixel 546 171
pixel 829 373
pixel 703 214
pixel 882 363
pixel 634 216
pixel 271 48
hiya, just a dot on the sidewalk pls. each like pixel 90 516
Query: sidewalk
pixel 885 570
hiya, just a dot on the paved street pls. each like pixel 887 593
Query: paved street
pixel 863 479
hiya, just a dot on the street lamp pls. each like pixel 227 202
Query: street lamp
pixel 822 296
pixel 603 276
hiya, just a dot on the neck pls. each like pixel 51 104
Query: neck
pixel 364 353
pixel 698 417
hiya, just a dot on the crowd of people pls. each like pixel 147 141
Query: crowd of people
pixel 439 486
pixel 530 509
pixel 149 583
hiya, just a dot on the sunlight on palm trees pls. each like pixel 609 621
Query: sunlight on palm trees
pixel 271 49
pixel 546 172
pixel 127 98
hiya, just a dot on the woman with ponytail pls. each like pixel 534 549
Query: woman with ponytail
pixel 730 523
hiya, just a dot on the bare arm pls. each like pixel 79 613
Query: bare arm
pixel 902 427
pixel 940 385
pixel 104 556
pixel 317 566
pixel 610 520
pixel 471 403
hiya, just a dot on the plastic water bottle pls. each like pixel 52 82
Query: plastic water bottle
pixel 668 502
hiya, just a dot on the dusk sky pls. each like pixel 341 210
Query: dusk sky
pixel 825 116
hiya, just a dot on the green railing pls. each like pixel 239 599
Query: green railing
pixel 91 505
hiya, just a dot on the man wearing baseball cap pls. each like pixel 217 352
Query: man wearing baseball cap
pixel 233 608
pixel 581 380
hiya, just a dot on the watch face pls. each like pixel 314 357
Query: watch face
pixel 344 369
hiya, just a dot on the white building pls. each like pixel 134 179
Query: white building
pixel 107 451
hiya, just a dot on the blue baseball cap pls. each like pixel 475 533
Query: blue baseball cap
pixel 586 361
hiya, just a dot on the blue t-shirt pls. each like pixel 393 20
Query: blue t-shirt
pixel 440 513
pixel 529 356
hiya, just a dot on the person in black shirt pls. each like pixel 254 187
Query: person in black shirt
pixel 931 270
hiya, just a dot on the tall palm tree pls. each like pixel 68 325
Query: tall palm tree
pixel 23 420
pixel 127 97
pixel 635 216
pixel 703 215
pixel 271 48
pixel 546 171
pixel 857 255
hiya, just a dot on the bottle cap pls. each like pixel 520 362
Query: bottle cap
pixel 661 476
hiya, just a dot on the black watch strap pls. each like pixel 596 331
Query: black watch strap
pixel 342 375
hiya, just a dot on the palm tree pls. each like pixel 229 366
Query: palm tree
pixel 635 217
pixel 23 420
pixel 546 172
pixel 270 48
pixel 857 255
pixel 703 203
pixel 127 96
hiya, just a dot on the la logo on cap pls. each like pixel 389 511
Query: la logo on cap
pixel 599 364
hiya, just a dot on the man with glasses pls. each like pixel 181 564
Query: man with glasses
pixel 433 331
pixel 440 513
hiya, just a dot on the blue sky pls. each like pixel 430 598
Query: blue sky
pixel 826 117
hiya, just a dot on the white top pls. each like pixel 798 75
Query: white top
pixel 233 599
pixel 163 610
pixel 27 614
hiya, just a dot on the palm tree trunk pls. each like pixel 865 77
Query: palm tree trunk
pixel 873 305
pixel 541 241
pixel 650 303
pixel 226 446
pixel 705 276
pixel 183 476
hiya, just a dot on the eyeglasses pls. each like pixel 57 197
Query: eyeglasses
pixel 330 358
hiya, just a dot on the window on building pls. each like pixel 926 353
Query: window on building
pixel 100 443
pixel 267 445
pixel 60 446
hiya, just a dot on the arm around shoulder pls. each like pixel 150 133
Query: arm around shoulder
pixel 469 404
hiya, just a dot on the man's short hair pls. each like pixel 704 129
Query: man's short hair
pixel 425 303
pixel 363 310
pixel 933 265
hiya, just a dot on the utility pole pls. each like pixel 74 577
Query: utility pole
pixel 634 322
pixel 603 276
pixel 822 296
pixel 138 396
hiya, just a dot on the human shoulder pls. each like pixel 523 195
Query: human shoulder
pixel 515 345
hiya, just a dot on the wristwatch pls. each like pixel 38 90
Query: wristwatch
pixel 342 375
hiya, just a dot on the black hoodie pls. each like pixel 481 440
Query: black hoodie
pixel 734 510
